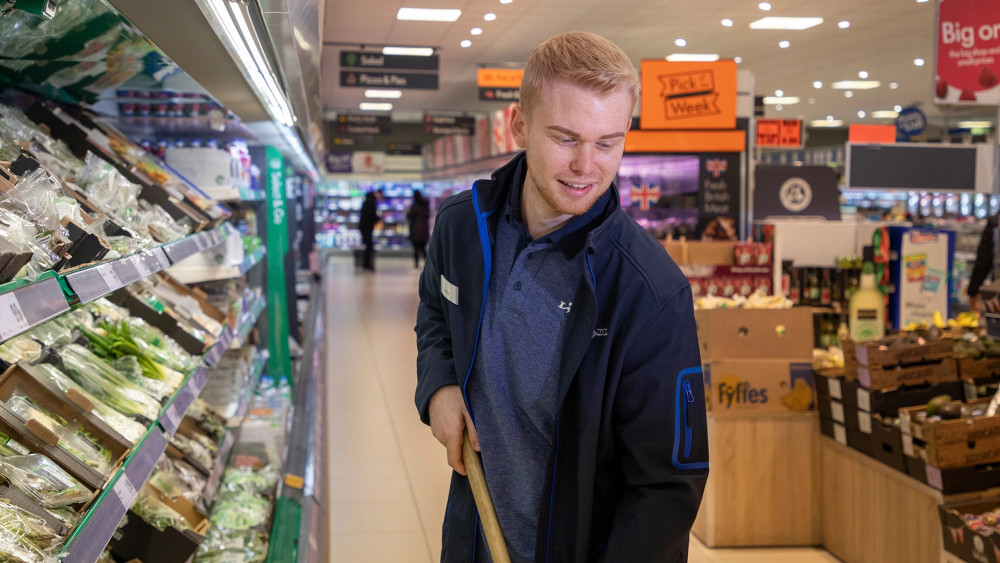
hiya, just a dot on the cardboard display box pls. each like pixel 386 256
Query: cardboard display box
pixel 740 507
pixel 952 480
pixel 139 540
pixel 963 540
pixel 962 442
pixel 759 386
pixel 887 402
pixel 870 435
pixel 755 333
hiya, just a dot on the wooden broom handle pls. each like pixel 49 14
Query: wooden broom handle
pixel 487 513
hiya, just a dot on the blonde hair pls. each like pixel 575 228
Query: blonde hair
pixel 581 58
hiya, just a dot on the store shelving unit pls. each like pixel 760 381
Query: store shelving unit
pixel 338 210
pixel 199 273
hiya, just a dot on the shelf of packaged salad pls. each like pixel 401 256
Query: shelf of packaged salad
pixel 91 535
pixel 247 323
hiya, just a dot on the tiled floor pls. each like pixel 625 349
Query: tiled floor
pixel 388 475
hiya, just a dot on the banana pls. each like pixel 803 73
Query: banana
pixel 939 319
pixel 799 398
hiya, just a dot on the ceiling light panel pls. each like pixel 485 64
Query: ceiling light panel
pixel 375 106
pixel 693 57
pixel 384 94
pixel 974 124
pixel 427 15
pixel 774 100
pixel 885 114
pixel 409 51
pixel 794 24
pixel 784 44
pixel 855 84
pixel 826 123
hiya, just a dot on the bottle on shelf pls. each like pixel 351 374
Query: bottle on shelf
pixel 812 286
pixel 867 306
pixel 825 289
pixel 786 278
pixel 795 287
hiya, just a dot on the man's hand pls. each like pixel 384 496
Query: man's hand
pixel 449 419
pixel 974 304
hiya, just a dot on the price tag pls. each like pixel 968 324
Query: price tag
pixel 865 422
pixel 833 384
pixel 125 491
pixel 12 319
pixel 171 420
pixel 864 400
pixel 837 411
pixel 139 262
pixel 970 390
pixel 904 423
pixel 109 276
pixel 934 477
pixel 161 258
pixel 202 243
pixel 840 434
pixel 908 445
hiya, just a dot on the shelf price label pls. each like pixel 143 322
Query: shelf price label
pixel 139 261
pixel 161 258
pixel 171 419
pixel 126 491
pixel 109 276
pixel 12 318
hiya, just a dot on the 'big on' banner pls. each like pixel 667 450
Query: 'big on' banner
pixel 968 52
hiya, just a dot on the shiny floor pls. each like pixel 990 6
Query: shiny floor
pixel 388 479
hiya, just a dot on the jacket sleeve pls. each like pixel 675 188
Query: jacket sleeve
pixel 984 258
pixel 660 426
pixel 435 360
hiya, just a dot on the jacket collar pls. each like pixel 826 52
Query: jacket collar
pixel 493 195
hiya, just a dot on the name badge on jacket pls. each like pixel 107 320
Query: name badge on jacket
pixel 449 290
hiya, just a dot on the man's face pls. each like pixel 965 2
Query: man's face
pixel 574 139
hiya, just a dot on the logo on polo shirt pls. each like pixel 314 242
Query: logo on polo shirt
pixel 565 306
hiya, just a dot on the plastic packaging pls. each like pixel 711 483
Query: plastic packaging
pixel 24 537
pixel 157 514
pixel 98 377
pixel 89 452
pixel 40 478
pixel 20 348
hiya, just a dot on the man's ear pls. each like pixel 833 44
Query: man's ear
pixel 518 126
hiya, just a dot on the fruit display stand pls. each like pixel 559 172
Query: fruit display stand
pixel 763 486
pixel 872 513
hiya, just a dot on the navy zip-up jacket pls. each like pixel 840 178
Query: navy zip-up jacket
pixel 628 470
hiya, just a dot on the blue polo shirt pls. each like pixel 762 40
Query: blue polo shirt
pixel 515 378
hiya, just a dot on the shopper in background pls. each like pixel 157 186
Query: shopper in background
pixel 420 226
pixel 369 218
pixel 561 336
pixel 984 265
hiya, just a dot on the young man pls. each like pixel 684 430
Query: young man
pixel 561 336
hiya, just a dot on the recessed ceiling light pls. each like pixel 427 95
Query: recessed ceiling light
pixel 775 22
pixel 826 123
pixel 727 22
pixel 779 93
pixel 974 124
pixel 409 51
pixel 490 16
pixel 764 6
pixel 921 1
pixel 386 94
pixel 476 31
pixel 897 108
pixel 829 118
pixel 738 59
pixel 817 84
pixel 779 107
pixel 855 84
pixel 774 100
pixel 812 101
pixel 466 43
pixel 848 94
pixel 893 85
pixel 843 24
pixel 885 114
pixel 693 57
pixel 918 62
pixel 375 106
pixel 863 74
pixel 784 44
pixel 861 114
pixel 427 15
pixel 680 42
pixel 506 1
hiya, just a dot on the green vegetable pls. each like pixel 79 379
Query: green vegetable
pixel 117 342
pixel 99 378
pixel 38 477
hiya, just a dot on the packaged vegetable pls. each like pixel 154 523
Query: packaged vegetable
pixel 38 477
pixel 98 377
pixel 24 537
pixel 88 451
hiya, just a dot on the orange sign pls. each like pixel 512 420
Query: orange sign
pixel 688 95
pixel 779 133
pixel 499 77
pixel 859 133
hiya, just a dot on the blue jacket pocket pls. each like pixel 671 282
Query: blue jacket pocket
pixel 690 427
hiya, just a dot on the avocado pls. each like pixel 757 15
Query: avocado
pixel 973 352
pixel 993 352
pixel 935 404
pixel 950 411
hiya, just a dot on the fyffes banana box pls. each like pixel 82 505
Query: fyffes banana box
pixel 759 386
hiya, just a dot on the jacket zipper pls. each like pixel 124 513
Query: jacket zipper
pixel 687 418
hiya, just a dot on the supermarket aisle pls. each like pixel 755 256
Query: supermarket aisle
pixel 388 476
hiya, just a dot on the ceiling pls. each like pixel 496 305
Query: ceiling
pixel 883 39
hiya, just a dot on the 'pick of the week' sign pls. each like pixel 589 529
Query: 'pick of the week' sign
pixel 686 95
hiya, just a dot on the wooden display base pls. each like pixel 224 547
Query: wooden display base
pixel 874 513
pixel 763 483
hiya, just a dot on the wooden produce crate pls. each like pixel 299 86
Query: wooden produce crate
pixel 941 371
pixel 982 369
pixel 960 442
pixel 740 507
pixel 872 354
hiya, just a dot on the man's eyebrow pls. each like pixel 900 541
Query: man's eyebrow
pixel 571 133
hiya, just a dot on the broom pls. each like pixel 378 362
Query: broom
pixel 488 514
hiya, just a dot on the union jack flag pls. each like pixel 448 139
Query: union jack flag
pixel 645 195
pixel 716 166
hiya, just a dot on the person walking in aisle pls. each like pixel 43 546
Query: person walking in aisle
pixel 560 335
pixel 369 218
pixel 420 227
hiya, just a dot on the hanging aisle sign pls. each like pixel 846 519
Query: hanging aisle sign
pixel 359 59
pixel 499 84
pixel 688 95
pixel 449 125
pixel 402 80
pixel 968 52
